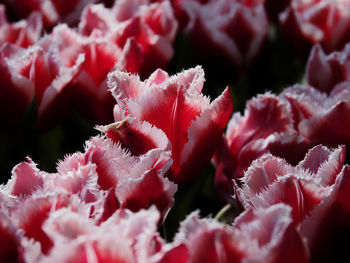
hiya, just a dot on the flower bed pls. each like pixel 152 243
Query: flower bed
pixel 119 147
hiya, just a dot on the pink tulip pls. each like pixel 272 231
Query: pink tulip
pixel 324 72
pixel 308 22
pixel 94 185
pixel 151 27
pixel 125 237
pixel 233 31
pixel 267 125
pixel 132 182
pixel 286 126
pixel 317 115
pixel 175 105
pixel 316 189
pixel 40 70
pixel 256 235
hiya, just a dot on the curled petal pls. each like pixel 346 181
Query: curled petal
pixel 26 179
pixel 326 164
pixel 112 162
pixel 137 137
pixel 138 182
pixel 266 120
pixel 204 134
pixel 263 172
pixel 64 225
pixel 150 187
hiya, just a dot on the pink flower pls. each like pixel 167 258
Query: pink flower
pixel 315 189
pixel 317 115
pixel 138 37
pixel 38 194
pixel 286 126
pixel 23 33
pixel 324 72
pixel 41 70
pixel 138 137
pixel 105 176
pixel 52 74
pixel 44 214
pixel 89 87
pixel 267 126
pixel 256 235
pixel 233 31
pixel 94 185
pixel 175 105
pixel 317 21
pixel 137 182
pixel 124 237
pixel 60 70
pixel 53 11
pixel 265 116
pixel 149 27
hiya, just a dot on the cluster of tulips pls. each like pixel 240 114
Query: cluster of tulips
pixel 281 165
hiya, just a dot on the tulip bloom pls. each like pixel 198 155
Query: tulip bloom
pixel 324 72
pixel 317 115
pixel 94 184
pixel 233 30
pixel 317 21
pixel 175 105
pixel 256 235
pixel 286 126
pixel 148 27
pixel 315 189
pixel 125 237
pixel 39 70
pixel 266 126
